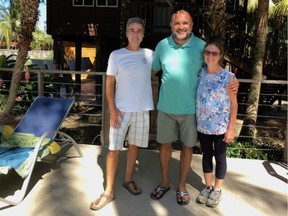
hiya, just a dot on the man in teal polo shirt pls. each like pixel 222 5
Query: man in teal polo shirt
pixel 180 58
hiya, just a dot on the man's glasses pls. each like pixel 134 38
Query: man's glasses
pixel 208 53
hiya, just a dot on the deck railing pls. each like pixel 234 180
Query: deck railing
pixel 91 110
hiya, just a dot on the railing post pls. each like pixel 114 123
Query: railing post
pixel 285 152
pixel 105 115
pixel 40 84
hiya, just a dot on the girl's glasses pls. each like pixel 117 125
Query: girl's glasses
pixel 208 53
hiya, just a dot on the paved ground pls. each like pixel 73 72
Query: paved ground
pixel 67 186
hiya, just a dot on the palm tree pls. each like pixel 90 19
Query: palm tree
pixel 277 58
pixel 215 18
pixel 14 13
pixel 10 23
pixel 277 13
pixel 5 31
pixel 29 17
pixel 257 68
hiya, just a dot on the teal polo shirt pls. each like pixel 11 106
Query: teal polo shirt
pixel 180 66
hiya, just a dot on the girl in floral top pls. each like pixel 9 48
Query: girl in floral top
pixel 216 116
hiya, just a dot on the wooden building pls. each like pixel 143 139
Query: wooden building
pixel 101 23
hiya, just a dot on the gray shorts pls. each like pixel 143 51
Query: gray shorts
pixel 172 127
pixel 138 133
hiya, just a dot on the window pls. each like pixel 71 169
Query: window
pixel 83 3
pixel 92 29
pixel 77 2
pixel 106 3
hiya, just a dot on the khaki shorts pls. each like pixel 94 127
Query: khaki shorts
pixel 172 127
pixel 137 125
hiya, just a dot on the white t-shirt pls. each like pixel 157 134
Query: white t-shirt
pixel 132 70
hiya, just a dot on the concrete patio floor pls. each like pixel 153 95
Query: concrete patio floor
pixel 67 186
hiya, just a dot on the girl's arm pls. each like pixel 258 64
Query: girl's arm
pixel 230 133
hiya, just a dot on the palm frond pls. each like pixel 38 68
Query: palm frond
pixel 252 5
pixel 281 8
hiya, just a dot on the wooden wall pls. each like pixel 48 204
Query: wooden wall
pixel 64 19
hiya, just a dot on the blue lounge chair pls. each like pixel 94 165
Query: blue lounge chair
pixel 39 63
pixel 35 135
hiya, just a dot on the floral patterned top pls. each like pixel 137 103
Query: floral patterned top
pixel 213 102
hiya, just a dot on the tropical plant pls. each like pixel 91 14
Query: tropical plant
pixel 10 23
pixel 250 150
pixel 5 76
pixel 41 41
pixel 10 27
pixel 29 16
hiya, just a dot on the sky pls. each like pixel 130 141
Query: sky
pixel 42 17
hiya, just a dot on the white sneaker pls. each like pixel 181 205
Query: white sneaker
pixel 203 195
pixel 214 198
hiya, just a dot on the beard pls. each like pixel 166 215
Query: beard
pixel 182 36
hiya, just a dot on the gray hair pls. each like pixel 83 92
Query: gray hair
pixel 135 20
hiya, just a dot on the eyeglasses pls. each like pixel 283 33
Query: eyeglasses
pixel 214 54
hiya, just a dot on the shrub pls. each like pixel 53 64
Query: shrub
pixel 254 151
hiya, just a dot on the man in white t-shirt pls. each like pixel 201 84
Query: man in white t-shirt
pixel 129 96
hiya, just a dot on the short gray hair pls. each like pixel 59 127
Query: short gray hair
pixel 135 20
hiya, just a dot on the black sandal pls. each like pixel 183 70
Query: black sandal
pixel 158 192
pixel 181 195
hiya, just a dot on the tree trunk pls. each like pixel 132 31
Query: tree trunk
pixel 215 18
pixel 29 16
pixel 257 68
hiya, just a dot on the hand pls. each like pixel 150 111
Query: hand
pixel 115 118
pixel 229 136
pixel 233 86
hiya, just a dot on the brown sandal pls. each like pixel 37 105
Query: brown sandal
pixel 95 205
pixel 132 187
